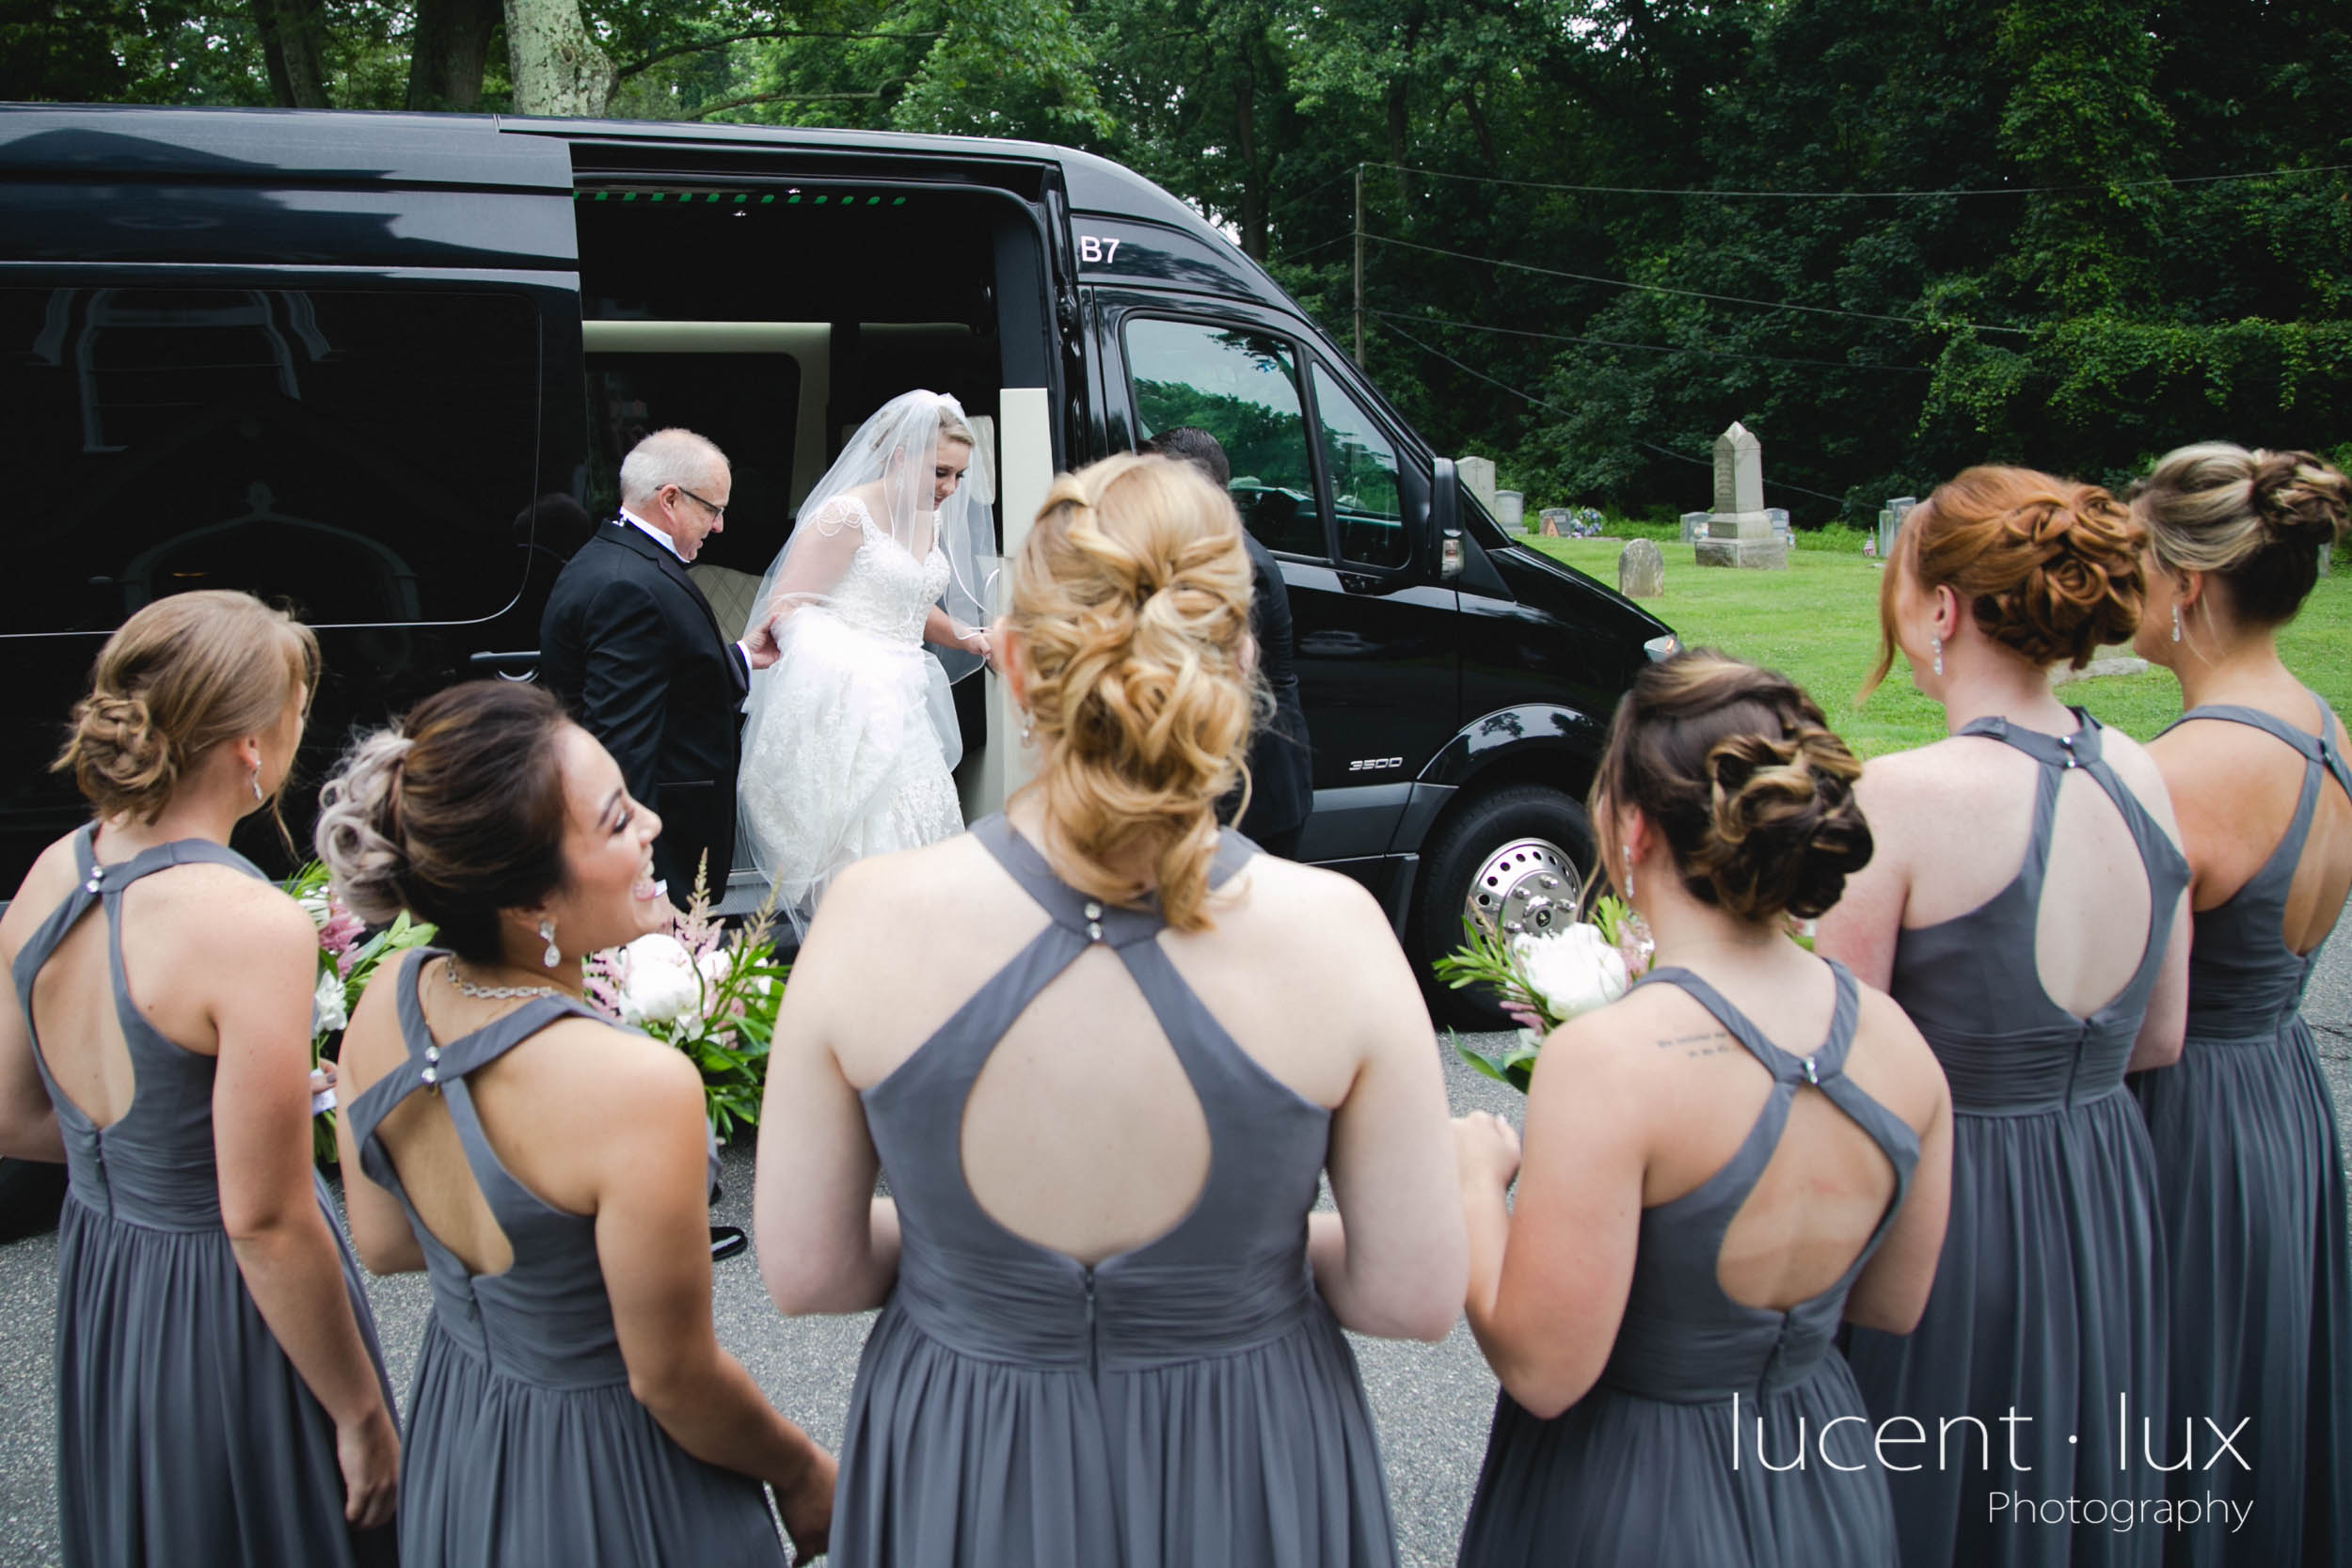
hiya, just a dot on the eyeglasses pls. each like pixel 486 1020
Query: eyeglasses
pixel 718 512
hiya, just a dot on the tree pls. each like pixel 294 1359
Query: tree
pixel 558 69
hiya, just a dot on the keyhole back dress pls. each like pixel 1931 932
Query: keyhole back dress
pixel 525 1444
pixel 184 1434
pixel 2250 1172
pixel 2049 1298
pixel 1685 1453
pixel 1190 1400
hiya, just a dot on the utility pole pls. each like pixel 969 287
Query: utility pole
pixel 1360 266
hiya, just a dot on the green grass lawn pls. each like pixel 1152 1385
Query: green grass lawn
pixel 1819 623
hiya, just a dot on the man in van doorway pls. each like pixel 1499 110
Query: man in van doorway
pixel 631 648
pixel 1282 783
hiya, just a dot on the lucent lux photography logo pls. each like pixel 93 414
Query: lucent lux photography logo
pixel 1904 1443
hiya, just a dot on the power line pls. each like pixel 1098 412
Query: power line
pixel 1840 196
pixel 1655 348
pixel 1686 294
pixel 1308 250
pixel 1530 397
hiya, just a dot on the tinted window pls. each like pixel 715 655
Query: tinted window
pixel 1242 388
pixel 363 455
pixel 1361 464
pixel 749 404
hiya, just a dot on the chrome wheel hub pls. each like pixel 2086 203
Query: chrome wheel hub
pixel 1526 888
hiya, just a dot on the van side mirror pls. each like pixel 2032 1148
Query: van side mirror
pixel 1445 518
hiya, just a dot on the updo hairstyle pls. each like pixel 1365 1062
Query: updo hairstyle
pixel 185 675
pixel 2049 567
pixel 2255 519
pixel 1130 597
pixel 454 813
pixel 1736 766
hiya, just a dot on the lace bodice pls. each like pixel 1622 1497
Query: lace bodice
pixel 885 590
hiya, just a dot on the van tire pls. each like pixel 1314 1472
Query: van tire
pixel 1545 826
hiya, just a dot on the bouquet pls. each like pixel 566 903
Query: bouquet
pixel 347 959
pixel 711 992
pixel 1545 980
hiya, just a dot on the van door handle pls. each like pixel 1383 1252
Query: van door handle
pixel 502 665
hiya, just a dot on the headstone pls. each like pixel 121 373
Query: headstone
pixel 1891 521
pixel 1779 514
pixel 1641 570
pixel 1694 527
pixel 1556 520
pixel 1510 509
pixel 1740 530
pixel 2327 559
pixel 1478 478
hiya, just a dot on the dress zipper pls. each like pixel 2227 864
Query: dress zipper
pixel 1089 1280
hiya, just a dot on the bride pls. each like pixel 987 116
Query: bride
pixel 850 736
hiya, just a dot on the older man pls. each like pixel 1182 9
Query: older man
pixel 630 645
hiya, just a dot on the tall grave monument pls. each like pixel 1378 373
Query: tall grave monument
pixel 1740 531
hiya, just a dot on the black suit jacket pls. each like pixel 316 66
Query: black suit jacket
pixel 631 646
pixel 1281 779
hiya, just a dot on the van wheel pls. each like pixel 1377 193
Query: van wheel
pixel 1514 860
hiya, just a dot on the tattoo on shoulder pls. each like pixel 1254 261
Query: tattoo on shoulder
pixel 1707 1042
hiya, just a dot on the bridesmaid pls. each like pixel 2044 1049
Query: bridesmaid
pixel 220 1395
pixel 1104 1096
pixel 1699 1206
pixel 2026 907
pixel 548 1170
pixel 2247 1154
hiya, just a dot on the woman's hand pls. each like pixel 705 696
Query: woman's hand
pixel 975 642
pixel 369 1451
pixel 1485 1151
pixel 807 1507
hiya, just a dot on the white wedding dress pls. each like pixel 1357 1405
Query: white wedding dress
pixel 850 751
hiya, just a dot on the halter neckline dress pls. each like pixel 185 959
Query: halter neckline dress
pixel 2251 1176
pixel 1656 1465
pixel 1190 1400
pixel 525 1444
pixel 2049 1298
pixel 184 1434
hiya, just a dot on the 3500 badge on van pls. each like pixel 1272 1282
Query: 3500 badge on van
pixel 1374 765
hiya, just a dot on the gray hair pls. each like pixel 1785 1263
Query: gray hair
pixel 671 456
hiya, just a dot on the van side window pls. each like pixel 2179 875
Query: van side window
pixel 363 455
pixel 1361 464
pixel 1242 388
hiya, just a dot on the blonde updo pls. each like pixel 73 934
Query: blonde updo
pixel 1739 772
pixel 2048 567
pixel 2255 519
pixel 1131 598
pixel 185 675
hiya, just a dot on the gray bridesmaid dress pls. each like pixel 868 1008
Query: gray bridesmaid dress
pixel 2050 1296
pixel 2251 1178
pixel 184 1435
pixel 1683 1454
pixel 1188 1402
pixel 525 1445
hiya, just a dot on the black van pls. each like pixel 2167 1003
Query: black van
pixel 385 366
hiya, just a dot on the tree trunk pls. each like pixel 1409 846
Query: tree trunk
pixel 557 68
pixel 292 31
pixel 453 46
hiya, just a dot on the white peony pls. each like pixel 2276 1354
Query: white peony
pixel 327 1014
pixel 316 906
pixel 657 982
pixel 1573 971
pixel 715 966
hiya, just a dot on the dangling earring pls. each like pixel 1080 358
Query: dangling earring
pixel 1939 653
pixel 554 955
pixel 1029 728
pixel 1628 874
pixel 255 778
pixel 2176 622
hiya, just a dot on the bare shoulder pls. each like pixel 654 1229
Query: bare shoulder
pixel 1914 1079
pixel 244 911
pixel 613 1069
pixel 1621 1044
pixel 2139 772
pixel 43 889
pixel 889 889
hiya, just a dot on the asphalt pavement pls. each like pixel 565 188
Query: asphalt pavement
pixel 1431 1402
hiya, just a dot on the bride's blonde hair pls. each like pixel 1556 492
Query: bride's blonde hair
pixel 1131 598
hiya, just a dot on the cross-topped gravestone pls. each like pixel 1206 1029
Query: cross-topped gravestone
pixel 1739 532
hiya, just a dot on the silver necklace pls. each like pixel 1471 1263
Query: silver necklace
pixel 493 993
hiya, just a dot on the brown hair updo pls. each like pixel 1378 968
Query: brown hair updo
pixel 1740 771
pixel 2049 567
pixel 2255 519
pixel 1130 597
pixel 185 675
pixel 454 813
